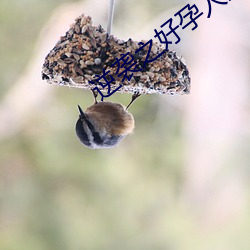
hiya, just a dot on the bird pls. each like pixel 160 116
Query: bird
pixel 104 124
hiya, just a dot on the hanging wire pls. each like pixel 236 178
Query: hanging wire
pixel 110 16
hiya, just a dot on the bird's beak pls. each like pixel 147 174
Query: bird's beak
pixel 82 115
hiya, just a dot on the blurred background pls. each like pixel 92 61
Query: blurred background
pixel 180 182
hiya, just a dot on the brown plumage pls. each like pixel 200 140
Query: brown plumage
pixel 104 124
pixel 110 117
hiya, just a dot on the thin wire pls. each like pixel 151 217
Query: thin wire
pixel 110 15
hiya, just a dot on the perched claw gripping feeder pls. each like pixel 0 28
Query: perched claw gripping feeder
pixel 85 51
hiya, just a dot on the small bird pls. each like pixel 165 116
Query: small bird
pixel 104 124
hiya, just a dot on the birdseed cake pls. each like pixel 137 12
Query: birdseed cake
pixel 85 51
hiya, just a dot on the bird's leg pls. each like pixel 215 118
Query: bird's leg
pixel 134 97
pixel 95 94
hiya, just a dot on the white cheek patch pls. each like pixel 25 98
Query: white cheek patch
pixel 90 135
